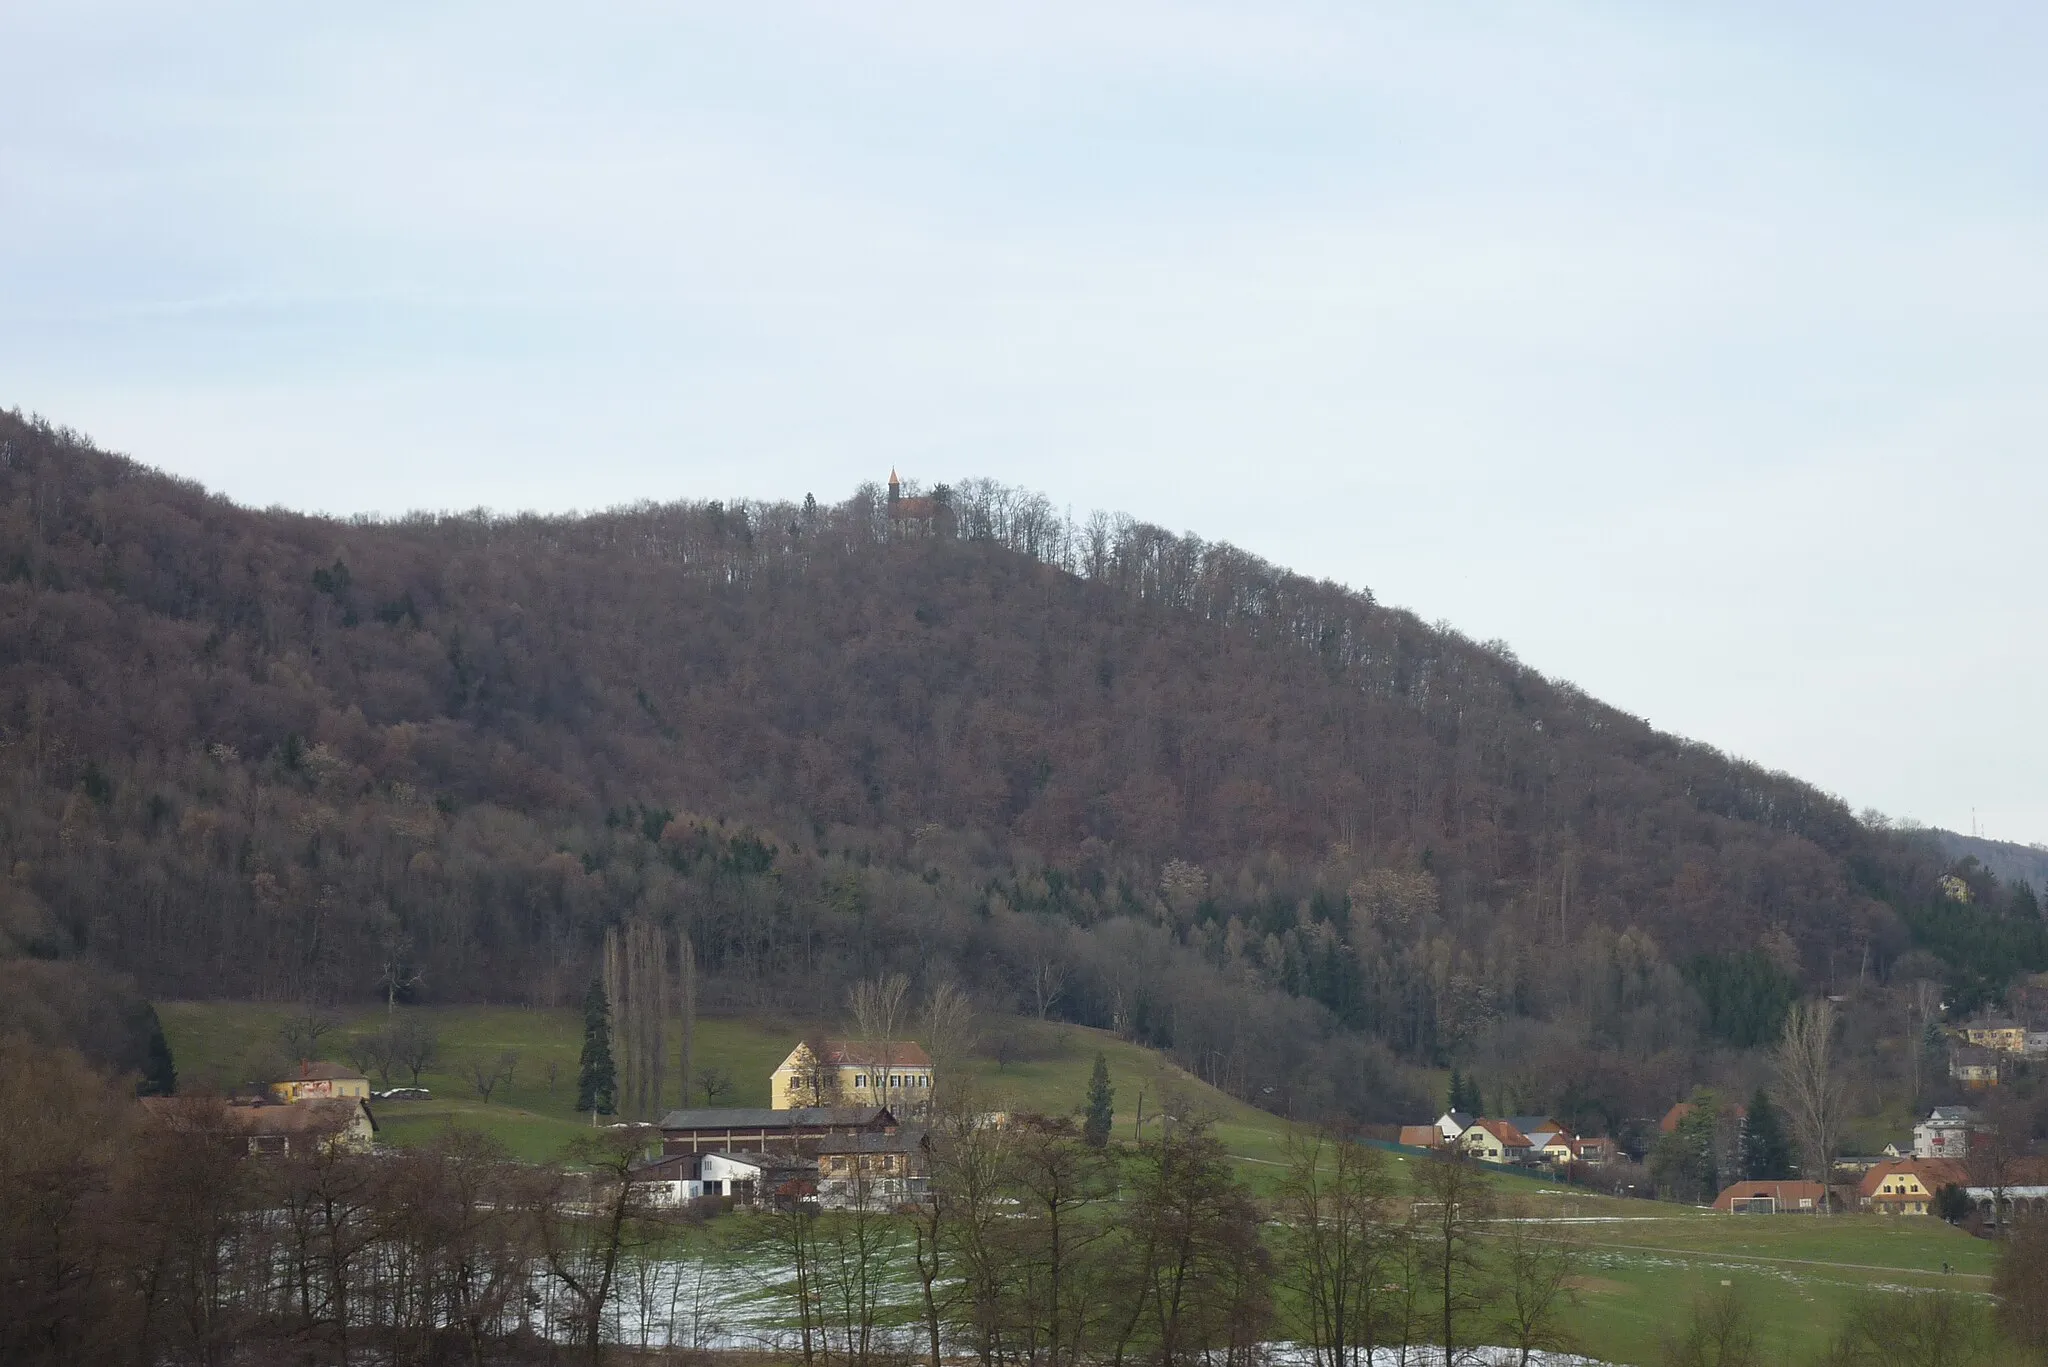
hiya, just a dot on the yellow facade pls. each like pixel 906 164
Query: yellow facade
pixel 2010 1039
pixel 320 1088
pixel 803 1079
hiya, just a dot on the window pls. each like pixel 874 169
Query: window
pixel 859 1080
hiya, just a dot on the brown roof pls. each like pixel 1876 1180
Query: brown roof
pixel 1421 1136
pixel 1505 1133
pixel 900 1053
pixel 319 1115
pixel 1934 1174
pixel 319 1070
pixel 1788 1195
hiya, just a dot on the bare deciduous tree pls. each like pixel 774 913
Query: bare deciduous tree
pixel 301 1032
pixel 1538 1266
pixel 1810 1088
pixel 490 1073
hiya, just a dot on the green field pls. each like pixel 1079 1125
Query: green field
pixel 1647 1261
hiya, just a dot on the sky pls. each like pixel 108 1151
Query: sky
pixel 1697 352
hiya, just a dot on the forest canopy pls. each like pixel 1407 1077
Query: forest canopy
pixel 1092 770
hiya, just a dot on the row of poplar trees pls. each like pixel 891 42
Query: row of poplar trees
pixel 647 977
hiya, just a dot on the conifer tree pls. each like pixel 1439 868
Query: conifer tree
pixel 1766 1153
pixel 1455 1101
pixel 596 1079
pixel 159 1076
pixel 1101 1100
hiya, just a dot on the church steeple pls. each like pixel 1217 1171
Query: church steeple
pixel 895 486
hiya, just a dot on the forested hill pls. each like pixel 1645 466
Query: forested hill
pixel 1098 771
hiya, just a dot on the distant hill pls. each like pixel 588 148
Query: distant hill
pixel 2011 863
pixel 1097 772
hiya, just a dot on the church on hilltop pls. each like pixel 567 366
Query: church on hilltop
pixel 912 515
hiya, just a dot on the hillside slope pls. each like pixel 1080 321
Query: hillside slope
pixel 1097 772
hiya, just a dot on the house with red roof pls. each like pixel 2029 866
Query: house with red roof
pixel 1906 1186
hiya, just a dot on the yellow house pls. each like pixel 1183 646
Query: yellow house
pixel 2008 1037
pixel 1907 1187
pixel 1495 1141
pixel 320 1081
pixel 892 1073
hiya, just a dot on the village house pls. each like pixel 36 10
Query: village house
pixel 271 1128
pixel 1997 1033
pixel 1541 1130
pixel 892 1073
pixel 1945 1133
pixel 1594 1153
pixel 754 1129
pixel 1495 1141
pixel 1772 1198
pixel 318 1079
pixel 870 1170
pixel 1451 1124
pixel 1975 1068
pixel 1908 1186
pixel 1421 1137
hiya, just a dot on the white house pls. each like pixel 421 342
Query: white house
pixel 1945 1133
pixel 1451 1124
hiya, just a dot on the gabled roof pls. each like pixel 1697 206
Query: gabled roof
pixel 905 1141
pixel 1459 1118
pixel 764 1162
pixel 1788 1195
pixel 316 1115
pixel 1533 1125
pixel 1421 1136
pixel 762 1118
pixel 895 1053
pixel 1934 1174
pixel 319 1070
pixel 1507 1134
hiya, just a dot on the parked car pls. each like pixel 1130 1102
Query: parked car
pixel 402 1094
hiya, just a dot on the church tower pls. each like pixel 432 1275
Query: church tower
pixel 895 488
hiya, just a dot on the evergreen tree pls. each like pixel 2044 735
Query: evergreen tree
pixel 1766 1153
pixel 1455 1100
pixel 1101 1098
pixel 159 1076
pixel 596 1078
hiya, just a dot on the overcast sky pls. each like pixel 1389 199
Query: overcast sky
pixel 1697 351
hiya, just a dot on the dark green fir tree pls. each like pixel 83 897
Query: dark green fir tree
pixel 159 1076
pixel 1766 1152
pixel 596 1078
pixel 1101 1101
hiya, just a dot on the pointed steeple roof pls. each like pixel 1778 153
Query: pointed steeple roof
pixel 892 476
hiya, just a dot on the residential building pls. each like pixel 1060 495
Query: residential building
pixel 318 1079
pixel 1771 1198
pixel 1421 1137
pixel 1495 1141
pixel 267 1127
pixel 753 1129
pixel 758 1178
pixel 1541 1130
pixel 1908 1186
pixel 1451 1124
pixel 1974 1068
pixel 892 1073
pixel 1594 1153
pixel 1945 1133
pixel 1997 1033
pixel 870 1170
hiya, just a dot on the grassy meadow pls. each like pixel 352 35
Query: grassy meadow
pixel 1646 1261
